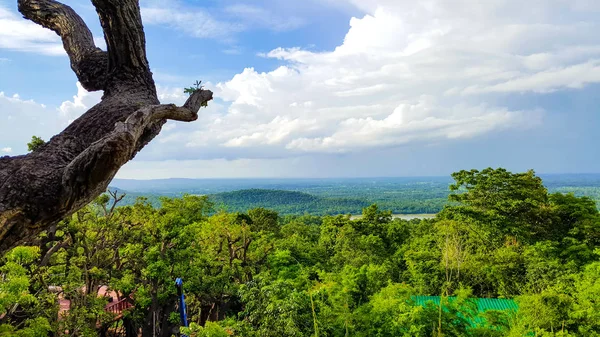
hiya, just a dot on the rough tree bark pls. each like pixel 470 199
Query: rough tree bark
pixel 39 189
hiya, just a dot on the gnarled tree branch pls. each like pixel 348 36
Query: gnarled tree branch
pixel 125 39
pixel 89 62
pixel 101 161
pixel 39 189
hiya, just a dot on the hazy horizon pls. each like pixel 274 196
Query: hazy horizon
pixel 541 174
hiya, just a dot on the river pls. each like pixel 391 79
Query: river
pixel 403 216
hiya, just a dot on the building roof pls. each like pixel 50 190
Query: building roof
pixel 483 304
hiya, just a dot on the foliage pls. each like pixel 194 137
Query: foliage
pixel 35 143
pixel 255 273
pixel 333 196
pixel 24 313
pixel 197 86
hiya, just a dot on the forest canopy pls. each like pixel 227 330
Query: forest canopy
pixel 258 273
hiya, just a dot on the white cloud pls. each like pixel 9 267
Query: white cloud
pixel 6 150
pixel 254 16
pixel 407 72
pixel 171 95
pixel 71 110
pixel 19 34
pixel 546 80
pixel 423 121
pixel 100 42
pixel 196 22
pixel 220 23
pixel 20 118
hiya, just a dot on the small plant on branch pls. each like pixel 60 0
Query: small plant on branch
pixel 191 90
pixel 35 144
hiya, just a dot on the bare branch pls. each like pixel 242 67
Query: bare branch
pixel 89 62
pixel 121 21
pixel 116 199
pixel 54 249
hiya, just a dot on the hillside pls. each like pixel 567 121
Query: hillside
pixel 297 203
pixel 413 195
pixel 286 202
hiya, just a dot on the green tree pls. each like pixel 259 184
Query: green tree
pixel 24 314
pixel 587 301
pixel 35 144
pixel 264 220
pixel 510 204
pixel 161 245
pixel 275 307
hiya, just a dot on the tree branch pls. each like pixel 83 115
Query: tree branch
pixel 41 188
pixel 54 249
pixel 125 39
pixel 101 161
pixel 89 62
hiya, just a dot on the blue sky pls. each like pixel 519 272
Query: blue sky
pixel 338 88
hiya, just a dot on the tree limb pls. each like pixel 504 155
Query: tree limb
pixel 89 62
pixel 54 249
pixel 125 39
pixel 101 160
pixel 41 188
pixel 89 173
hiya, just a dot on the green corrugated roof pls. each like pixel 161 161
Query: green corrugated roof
pixel 483 304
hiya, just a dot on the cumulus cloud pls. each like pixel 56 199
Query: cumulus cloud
pixel 71 110
pixel 19 34
pixel 407 72
pixel 22 118
pixel 545 80
pixel 423 121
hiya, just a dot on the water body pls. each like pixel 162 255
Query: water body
pixel 403 216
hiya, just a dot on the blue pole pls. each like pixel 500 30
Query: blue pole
pixel 182 308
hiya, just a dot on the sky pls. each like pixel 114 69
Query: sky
pixel 337 88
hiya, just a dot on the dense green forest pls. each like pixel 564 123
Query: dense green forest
pixel 284 202
pixel 300 203
pixel 259 273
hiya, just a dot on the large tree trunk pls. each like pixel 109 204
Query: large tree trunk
pixel 39 189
